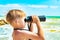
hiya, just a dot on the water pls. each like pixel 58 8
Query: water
pixel 51 29
pixel 6 32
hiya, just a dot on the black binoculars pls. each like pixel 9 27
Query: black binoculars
pixel 29 18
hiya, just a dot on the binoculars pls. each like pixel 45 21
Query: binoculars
pixel 29 18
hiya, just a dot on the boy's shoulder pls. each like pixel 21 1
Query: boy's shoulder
pixel 25 34
pixel 28 34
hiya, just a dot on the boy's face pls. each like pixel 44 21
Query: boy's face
pixel 18 23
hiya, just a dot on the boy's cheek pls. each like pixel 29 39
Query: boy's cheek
pixel 23 25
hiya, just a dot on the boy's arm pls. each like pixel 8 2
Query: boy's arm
pixel 40 30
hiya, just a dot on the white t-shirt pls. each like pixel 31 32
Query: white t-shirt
pixel 6 32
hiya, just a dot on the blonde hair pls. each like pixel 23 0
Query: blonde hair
pixel 13 14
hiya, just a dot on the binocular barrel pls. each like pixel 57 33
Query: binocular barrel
pixel 29 18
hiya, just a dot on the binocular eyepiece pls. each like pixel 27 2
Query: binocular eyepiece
pixel 29 18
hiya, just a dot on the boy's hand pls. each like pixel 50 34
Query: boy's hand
pixel 35 19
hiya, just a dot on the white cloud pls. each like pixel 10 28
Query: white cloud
pixel 33 6
pixel 18 5
pixel 54 7
pixel 5 8
pixel 43 6
pixel 27 8
pixel 10 5
pixel 38 6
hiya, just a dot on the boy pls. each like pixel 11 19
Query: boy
pixel 16 19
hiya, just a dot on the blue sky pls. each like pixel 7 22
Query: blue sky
pixel 24 1
pixel 32 7
pixel 40 2
pixel 49 2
